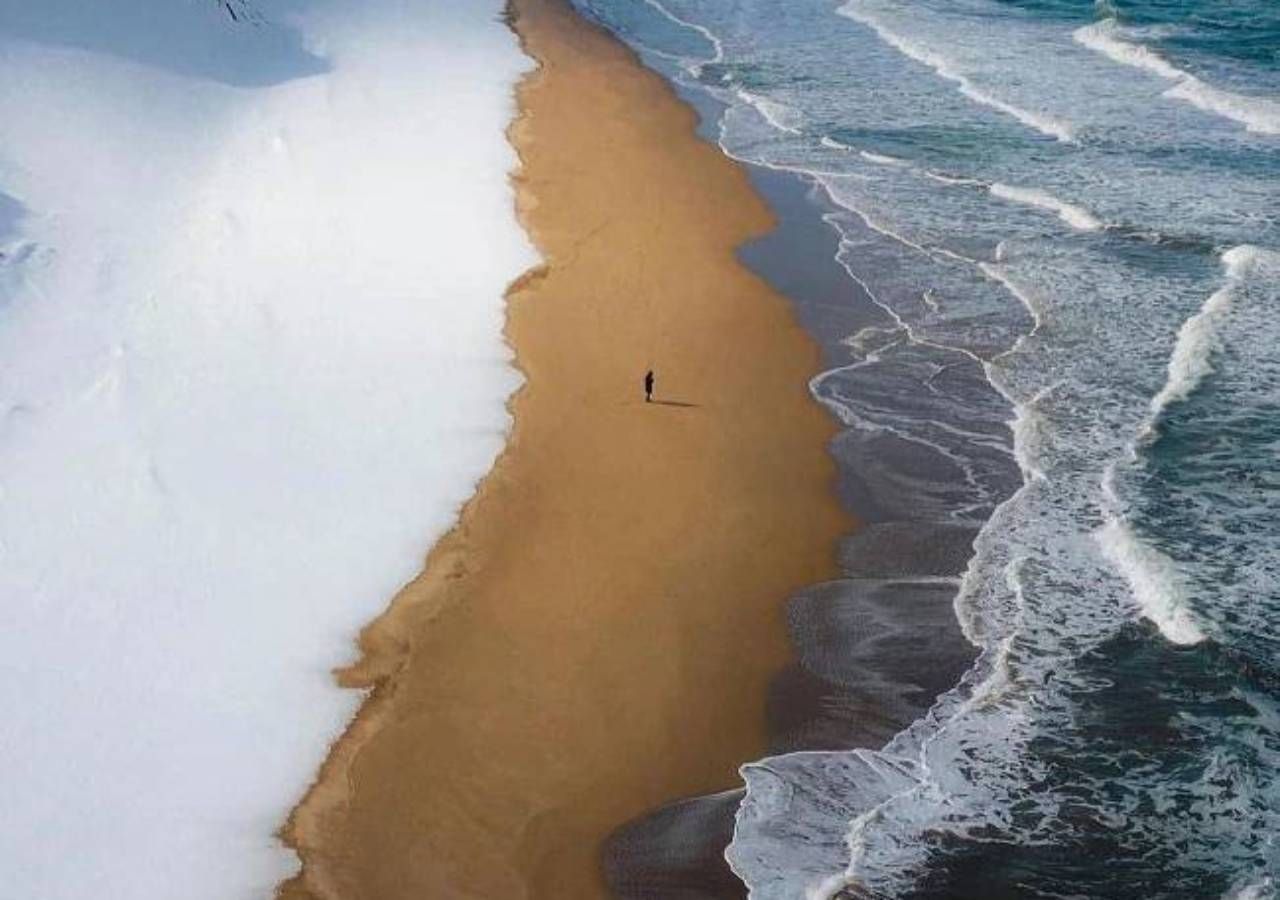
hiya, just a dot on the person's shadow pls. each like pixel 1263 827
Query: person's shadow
pixel 676 403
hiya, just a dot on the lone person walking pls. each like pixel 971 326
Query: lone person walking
pixel 648 386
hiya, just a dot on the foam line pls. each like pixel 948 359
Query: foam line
pixel 779 115
pixel 1200 337
pixel 717 56
pixel 1154 582
pixel 1077 217
pixel 1047 125
pixel 1256 114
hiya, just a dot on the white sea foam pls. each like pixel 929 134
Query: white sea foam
pixel 1077 217
pixel 1191 361
pixel 880 159
pixel 1154 581
pixel 779 115
pixel 716 45
pixel 1262 889
pixel 1042 122
pixel 1028 435
pixel 1100 36
pixel 250 376
pixel 1033 304
pixel 943 178
pixel 1153 578
pixel 1257 114
pixel 1199 337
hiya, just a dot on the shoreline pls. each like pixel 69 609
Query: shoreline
pixel 871 649
pixel 529 696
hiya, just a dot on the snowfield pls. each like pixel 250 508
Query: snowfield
pixel 251 363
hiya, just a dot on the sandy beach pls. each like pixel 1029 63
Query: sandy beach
pixel 596 636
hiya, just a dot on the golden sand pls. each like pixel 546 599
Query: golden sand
pixel 595 636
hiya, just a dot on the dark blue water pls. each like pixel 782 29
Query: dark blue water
pixel 1079 205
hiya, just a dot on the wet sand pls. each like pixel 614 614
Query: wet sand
pixel 871 649
pixel 598 634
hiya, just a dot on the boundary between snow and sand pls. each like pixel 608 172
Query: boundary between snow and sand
pixel 573 654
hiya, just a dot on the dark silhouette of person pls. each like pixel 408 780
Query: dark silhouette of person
pixel 648 386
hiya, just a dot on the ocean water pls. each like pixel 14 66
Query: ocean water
pixel 1066 216
pixel 251 363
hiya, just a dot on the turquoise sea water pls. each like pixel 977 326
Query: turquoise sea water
pixel 1077 205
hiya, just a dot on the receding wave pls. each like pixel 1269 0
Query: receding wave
pixel 1257 114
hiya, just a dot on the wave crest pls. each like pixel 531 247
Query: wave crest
pixel 1077 217
pixel 1199 337
pixel 1154 582
pixel 1256 114
pixel 1048 125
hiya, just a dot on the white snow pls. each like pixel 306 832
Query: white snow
pixel 251 363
